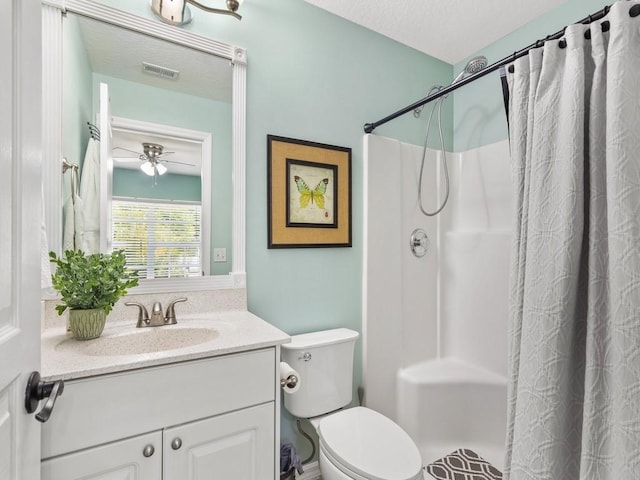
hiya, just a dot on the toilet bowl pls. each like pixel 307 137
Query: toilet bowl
pixel 355 443
pixel 360 443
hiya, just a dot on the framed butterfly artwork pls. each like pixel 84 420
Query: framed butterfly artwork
pixel 309 194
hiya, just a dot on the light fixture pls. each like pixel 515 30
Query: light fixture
pixel 153 167
pixel 176 12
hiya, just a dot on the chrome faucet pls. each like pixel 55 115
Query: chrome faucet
pixel 156 319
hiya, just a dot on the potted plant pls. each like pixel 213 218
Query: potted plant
pixel 90 285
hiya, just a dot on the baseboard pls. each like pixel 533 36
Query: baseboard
pixel 311 472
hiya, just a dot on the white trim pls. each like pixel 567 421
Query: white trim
pixel 153 28
pixel 311 472
pixel 238 252
pixel 105 168
pixel 276 420
pixel 194 284
pixel 238 279
pixel 52 126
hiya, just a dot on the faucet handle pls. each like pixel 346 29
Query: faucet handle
pixel 143 315
pixel 170 317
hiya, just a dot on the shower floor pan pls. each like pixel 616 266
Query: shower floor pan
pixel 448 404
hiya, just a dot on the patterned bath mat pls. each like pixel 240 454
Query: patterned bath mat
pixel 463 464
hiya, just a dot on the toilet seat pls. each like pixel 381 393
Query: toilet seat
pixel 363 443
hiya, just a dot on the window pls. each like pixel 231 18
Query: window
pixel 160 239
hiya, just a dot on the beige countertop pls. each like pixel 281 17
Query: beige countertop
pixel 194 336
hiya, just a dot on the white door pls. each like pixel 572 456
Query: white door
pixel 237 445
pixel 20 204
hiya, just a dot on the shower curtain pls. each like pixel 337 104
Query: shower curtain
pixel 574 359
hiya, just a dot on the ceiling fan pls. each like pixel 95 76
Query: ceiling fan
pixel 151 158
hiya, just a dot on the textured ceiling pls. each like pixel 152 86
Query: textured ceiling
pixel 450 30
pixel 119 53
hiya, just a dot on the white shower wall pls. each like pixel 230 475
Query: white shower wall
pixel 452 302
pixel 475 243
pixel 399 291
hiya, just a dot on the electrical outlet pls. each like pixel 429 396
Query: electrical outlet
pixel 219 254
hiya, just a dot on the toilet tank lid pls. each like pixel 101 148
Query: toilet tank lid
pixel 322 338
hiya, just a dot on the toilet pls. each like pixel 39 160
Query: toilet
pixel 355 443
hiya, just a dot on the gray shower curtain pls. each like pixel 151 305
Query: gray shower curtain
pixel 574 359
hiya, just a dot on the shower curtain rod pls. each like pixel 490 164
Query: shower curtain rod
pixel 370 127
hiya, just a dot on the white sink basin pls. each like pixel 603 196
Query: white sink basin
pixel 141 341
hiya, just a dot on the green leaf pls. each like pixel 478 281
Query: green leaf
pixel 84 281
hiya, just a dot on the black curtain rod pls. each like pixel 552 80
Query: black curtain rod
pixel 370 127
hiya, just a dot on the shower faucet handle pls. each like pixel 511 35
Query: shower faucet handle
pixel 419 242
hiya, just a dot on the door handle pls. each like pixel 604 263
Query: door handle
pixel 39 390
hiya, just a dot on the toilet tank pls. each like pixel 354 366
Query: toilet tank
pixel 324 361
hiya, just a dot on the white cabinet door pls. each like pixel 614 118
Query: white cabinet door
pixel 137 458
pixel 238 445
pixel 20 206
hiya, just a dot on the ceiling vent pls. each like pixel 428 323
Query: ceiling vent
pixel 159 71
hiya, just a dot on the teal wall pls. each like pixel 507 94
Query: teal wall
pixel 479 115
pixel 76 98
pixel 137 184
pixel 166 107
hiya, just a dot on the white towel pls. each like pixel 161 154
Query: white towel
pixel 88 212
pixel 69 226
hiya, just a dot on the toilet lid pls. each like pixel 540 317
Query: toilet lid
pixel 371 445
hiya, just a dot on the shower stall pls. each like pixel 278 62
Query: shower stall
pixel 435 326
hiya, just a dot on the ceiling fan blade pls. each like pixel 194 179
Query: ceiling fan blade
pixel 181 163
pixel 127 150
pixel 126 159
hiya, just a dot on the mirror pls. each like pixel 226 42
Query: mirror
pixel 200 117
pixel 160 207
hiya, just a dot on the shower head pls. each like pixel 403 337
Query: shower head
pixel 473 66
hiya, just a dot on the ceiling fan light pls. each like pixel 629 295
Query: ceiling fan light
pixel 161 169
pixel 147 167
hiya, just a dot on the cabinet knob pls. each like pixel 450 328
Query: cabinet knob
pixel 176 443
pixel 148 450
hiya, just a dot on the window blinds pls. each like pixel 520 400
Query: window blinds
pixel 160 239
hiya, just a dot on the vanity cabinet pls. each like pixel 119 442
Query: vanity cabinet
pixel 236 445
pixel 137 458
pixel 210 418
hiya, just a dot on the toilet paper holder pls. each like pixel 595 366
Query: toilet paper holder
pixel 289 378
pixel 290 382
